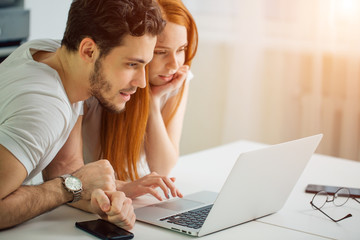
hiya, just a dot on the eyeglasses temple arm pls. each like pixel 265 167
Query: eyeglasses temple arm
pixel 347 216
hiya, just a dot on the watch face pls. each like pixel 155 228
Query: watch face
pixel 73 183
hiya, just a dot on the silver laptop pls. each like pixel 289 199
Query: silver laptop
pixel 258 185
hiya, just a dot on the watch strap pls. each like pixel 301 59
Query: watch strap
pixel 77 196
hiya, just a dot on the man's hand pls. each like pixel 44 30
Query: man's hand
pixel 148 184
pixel 99 174
pixel 114 207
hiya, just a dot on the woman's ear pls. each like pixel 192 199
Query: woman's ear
pixel 88 50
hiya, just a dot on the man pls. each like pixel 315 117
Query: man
pixel 105 48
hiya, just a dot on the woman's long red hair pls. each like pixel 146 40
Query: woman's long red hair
pixel 123 134
pixel 175 11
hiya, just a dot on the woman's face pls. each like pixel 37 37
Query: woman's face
pixel 169 54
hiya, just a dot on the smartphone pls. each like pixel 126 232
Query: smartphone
pixel 314 188
pixel 104 230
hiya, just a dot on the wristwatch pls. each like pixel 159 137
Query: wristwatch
pixel 72 184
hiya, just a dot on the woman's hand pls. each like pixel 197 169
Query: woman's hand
pixel 148 184
pixel 179 77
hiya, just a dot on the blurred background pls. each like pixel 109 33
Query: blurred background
pixel 276 70
pixel 266 70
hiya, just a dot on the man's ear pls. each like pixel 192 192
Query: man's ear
pixel 88 50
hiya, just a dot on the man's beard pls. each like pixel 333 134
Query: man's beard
pixel 98 86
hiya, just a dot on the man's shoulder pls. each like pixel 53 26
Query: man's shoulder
pixel 24 52
pixel 20 67
pixel 30 75
pixel 27 85
pixel 42 44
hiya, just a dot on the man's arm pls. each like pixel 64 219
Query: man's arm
pixel 20 203
pixel 99 190
pixel 69 158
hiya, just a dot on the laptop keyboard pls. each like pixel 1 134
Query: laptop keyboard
pixel 191 219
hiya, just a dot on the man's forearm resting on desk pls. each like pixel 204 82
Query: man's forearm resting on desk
pixel 30 201
pixel 20 203
pixel 99 193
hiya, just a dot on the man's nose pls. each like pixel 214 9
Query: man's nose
pixel 139 80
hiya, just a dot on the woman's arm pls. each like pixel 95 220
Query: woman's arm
pixel 162 142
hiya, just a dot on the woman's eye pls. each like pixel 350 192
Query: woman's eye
pixel 159 52
pixel 182 49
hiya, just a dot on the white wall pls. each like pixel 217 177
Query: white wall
pixel 220 100
pixel 283 69
pixel 47 18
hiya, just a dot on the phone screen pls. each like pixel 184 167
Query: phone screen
pixel 314 188
pixel 104 229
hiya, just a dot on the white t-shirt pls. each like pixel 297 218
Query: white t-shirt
pixel 36 116
pixel 92 124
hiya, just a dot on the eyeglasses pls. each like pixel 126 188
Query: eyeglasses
pixel 340 197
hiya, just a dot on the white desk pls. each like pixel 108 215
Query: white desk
pixel 207 170
pixel 297 213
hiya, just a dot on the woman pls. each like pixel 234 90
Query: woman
pixel 153 118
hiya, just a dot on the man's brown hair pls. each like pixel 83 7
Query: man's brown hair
pixel 108 21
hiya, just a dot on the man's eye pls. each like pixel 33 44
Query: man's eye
pixel 132 64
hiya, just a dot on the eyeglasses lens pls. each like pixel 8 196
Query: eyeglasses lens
pixel 320 199
pixel 341 196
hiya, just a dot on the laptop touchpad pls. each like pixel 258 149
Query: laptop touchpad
pixel 179 204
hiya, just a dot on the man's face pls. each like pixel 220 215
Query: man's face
pixel 117 75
